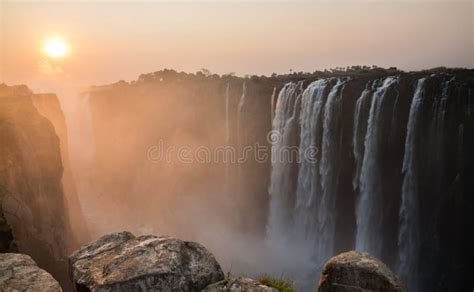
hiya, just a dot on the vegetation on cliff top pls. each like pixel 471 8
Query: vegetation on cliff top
pixel 169 75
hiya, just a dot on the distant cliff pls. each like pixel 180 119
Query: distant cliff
pixel 392 161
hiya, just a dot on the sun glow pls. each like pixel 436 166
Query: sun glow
pixel 55 47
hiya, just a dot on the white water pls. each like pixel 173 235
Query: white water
pixel 358 134
pixel 272 104
pixel 227 123
pixel 368 207
pixel 328 170
pixel 283 126
pixel 310 225
pixel 312 105
pixel 240 137
pixel 408 238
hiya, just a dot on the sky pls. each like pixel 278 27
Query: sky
pixel 111 41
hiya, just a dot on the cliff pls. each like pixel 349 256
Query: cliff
pixel 48 106
pixel 372 139
pixel 31 190
pixel 129 120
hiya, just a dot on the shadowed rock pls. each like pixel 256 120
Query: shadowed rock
pixel 123 262
pixel 358 272
pixel 18 272
pixel 239 284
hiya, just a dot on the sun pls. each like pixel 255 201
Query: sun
pixel 55 48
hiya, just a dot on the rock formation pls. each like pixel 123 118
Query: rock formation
pixel 48 106
pixel 20 273
pixel 358 272
pixel 239 284
pixel 31 192
pixel 123 262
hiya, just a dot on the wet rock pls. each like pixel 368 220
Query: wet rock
pixel 238 285
pixel 18 272
pixel 358 272
pixel 123 262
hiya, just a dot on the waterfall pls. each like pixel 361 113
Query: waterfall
pixel 240 138
pixel 312 105
pixel 359 131
pixel 227 123
pixel 408 238
pixel 272 104
pixel 281 185
pixel 308 219
pixel 227 137
pixel 369 210
pixel 401 173
pixel 328 170
pixel 240 109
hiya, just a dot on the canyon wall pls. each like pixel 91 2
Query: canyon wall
pixel 31 189
pixel 389 171
pixel 48 105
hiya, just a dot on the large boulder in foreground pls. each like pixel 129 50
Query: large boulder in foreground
pixel 123 262
pixel 239 284
pixel 18 272
pixel 358 272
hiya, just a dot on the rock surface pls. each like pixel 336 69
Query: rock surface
pixel 123 262
pixel 357 272
pixel 18 272
pixel 31 191
pixel 48 105
pixel 239 284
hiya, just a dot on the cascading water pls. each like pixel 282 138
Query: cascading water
pixel 408 238
pixel 314 118
pixel 359 131
pixel 227 135
pixel 240 136
pixel 308 186
pixel 328 170
pixel 369 210
pixel 281 184
pixel 272 104
pixel 227 123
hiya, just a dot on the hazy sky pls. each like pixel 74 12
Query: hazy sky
pixel 120 40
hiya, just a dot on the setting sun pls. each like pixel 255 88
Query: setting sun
pixel 55 48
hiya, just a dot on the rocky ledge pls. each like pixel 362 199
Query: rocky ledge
pixel 18 272
pixel 358 272
pixel 123 262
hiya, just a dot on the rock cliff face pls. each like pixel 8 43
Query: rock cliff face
pixel 31 192
pixel 179 110
pixel 358 272
pixel 123 262
pixel 48 106
pixel 20 273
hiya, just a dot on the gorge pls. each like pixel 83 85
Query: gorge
pixel 375 160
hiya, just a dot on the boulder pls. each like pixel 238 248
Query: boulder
pixel 239 284
pixel 355 271
pixel 123 262
pixel 18 272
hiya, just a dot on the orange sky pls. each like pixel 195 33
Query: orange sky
pixel 111 41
